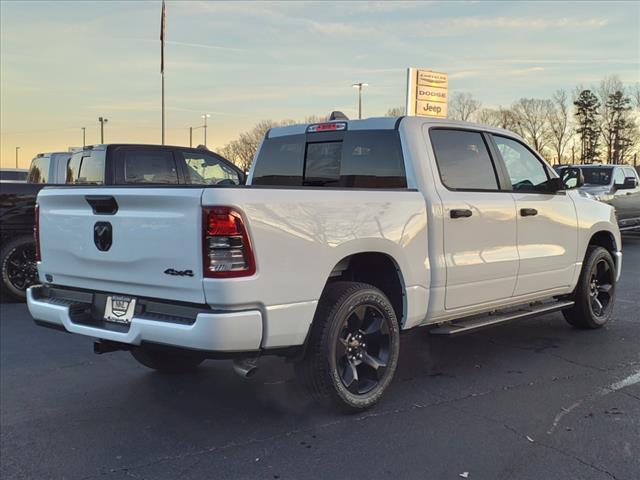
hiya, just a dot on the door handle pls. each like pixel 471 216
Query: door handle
pixel 102 204
pixel 460 213
pixel 528 212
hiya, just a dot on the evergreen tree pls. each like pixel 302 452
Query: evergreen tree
pixel 619 128
pixel 587 105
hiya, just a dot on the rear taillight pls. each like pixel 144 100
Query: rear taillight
pixel 227 248
pixel 36 232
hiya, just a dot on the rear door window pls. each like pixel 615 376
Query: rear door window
pixel 463 160
pixel 359 159
pixel 597 176
pixel 150 166
pixel 205 169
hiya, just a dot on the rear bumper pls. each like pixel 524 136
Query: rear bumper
pixel 213 332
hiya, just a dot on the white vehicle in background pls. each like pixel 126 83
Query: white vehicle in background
pixel 346 234
pixel 49 167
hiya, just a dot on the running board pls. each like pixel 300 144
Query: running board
pixel 471 324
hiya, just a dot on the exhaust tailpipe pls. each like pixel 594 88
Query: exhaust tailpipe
pixel 107 346
pixel 245 367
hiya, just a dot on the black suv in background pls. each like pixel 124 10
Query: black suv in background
pixel 113 164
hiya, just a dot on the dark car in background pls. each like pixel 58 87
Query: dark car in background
pixel 617 185
pixel 13 175
pixel 114 164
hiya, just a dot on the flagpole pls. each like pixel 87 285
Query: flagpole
pixel 162 32
pixel 162 108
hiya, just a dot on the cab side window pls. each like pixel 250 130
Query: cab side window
pixel 206 169
pixel 618 177
pixel 526 171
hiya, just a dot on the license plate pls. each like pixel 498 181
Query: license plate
pixel 119 309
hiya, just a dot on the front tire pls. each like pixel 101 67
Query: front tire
pixel 19 268
pixel 166 361
pixel 353 347
pixel 595 293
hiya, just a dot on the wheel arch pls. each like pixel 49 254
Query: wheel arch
pixel 604 239
pixel 375 268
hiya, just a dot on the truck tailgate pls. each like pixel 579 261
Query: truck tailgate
pixel 156 240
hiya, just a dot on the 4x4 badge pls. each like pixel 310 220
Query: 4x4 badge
pixel 179 273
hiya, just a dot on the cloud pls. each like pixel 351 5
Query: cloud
pixel 203 45
pixel 524 71
pixel 526 23
pixel 495 72
pixel 183 44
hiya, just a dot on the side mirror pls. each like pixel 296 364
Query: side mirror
pixel 571 177
pixel 629 184
pixel 555 184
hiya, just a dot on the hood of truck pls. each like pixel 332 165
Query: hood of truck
pixel 154 249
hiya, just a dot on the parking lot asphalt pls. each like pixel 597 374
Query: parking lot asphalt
pixel 534 399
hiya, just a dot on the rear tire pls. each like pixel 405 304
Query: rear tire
pixel 19 268
pixel 353 347
pixel 166 361
pixel 595 293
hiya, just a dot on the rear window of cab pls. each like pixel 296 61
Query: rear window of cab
pixel 359 159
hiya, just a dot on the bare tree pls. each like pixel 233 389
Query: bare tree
pixel 559 124
pixel 243 150
pixel 486 116
pixel 500 117
pixel 463 105
pixel 635 95
pixel 532 121
pixel 316 118
pixel 395 112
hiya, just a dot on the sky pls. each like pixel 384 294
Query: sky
pixel 64 64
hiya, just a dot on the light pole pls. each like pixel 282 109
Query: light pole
pixel 17 148
pixel 205 116
pixel 102 121
pixel 359 86
pixel 191 129
pixel 84 136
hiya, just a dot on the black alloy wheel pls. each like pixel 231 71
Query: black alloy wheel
pixel 19 267
pixel 594 295
pixel 600 287
pixel 362 349
pixel 353 347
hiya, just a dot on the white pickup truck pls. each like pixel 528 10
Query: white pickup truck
pixel 346 234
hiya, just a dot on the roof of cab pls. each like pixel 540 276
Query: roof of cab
pixel 389 123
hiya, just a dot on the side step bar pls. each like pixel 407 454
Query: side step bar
pixel 471 324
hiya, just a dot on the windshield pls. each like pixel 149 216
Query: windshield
pixel 597 176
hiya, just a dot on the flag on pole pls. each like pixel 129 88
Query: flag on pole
pixel 162 29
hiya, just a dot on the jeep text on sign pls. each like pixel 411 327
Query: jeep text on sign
pixel 427 93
